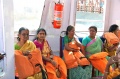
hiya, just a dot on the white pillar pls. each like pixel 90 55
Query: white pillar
pixel 66 14
pixel 73 12
pixel 107 14
pixel 7 29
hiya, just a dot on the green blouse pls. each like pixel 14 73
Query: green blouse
pixel 67 40
pixel 16 47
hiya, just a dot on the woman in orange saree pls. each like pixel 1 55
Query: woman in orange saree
pixel 55 66
pixel 24 49
pixel 111 48
pixel 23 42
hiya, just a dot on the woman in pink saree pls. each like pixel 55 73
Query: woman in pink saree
pixel 55 66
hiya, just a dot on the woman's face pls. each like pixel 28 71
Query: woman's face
pixel 41 35
pixel 24 35
pixel 92 32
pixel 72 32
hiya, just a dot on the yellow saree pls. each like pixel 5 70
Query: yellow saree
pixel 28 46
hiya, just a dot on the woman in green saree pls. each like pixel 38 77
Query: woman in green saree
pixel 78 72
pixel 92 44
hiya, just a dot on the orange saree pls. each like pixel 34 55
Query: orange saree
pixel 52 70
pixel 99 61
pixel 27 65
pixel 28 46
pixel 111 38
pixel 73 59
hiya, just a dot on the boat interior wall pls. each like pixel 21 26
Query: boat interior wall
pixel 1 42
pixel 48 15
pixel 114 13
pixel 73 12
pixel 53 35
pixel 69 12
pixel 7 39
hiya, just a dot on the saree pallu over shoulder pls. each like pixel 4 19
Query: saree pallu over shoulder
pixel 111 38
pixel 28 46
pixel 27 65
pixel 73 59
pixel 99 61
pixel 46 49
pixel 94 46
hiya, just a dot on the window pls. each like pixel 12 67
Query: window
pixel 27 13
pixel 90 12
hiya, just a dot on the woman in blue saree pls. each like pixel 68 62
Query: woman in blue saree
pixel 78 72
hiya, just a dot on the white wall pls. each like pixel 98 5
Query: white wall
pixel 6 7
pixel 2 62
pixel 114 11
pixel 53 35
pixel 112 14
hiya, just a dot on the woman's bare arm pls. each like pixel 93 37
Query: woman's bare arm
pixel 68 48
pixel 111 61
pixel 106 71
pixel 81 46
pixel 49 60
pixel 46 59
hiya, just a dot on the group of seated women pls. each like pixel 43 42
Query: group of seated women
pixel 80 60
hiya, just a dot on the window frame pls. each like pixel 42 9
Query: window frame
pixel 105 16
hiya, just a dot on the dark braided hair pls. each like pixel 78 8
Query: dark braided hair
pixel 113 28
pixel 20 30
pixel 69 28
